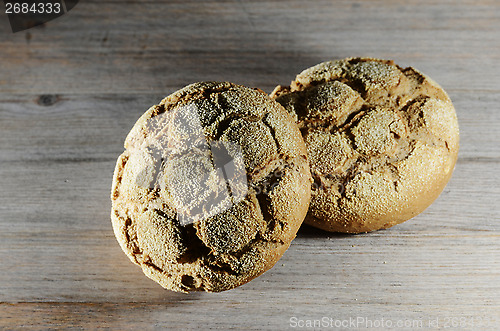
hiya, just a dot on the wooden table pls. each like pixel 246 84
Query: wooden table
pixel 72 89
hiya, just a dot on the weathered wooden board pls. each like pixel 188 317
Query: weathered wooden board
pixel 70 92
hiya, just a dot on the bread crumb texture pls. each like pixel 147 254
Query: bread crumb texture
pixel 195 220
pixel 382 141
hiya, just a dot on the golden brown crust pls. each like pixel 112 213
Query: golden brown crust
pixel 382 141
pixel 234 243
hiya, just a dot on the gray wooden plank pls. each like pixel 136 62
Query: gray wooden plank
pixel 136 47
pixel 58 245
pixel 77 127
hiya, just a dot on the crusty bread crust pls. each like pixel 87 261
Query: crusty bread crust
pixel 382 141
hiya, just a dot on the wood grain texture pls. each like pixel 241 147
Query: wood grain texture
pixel 70 92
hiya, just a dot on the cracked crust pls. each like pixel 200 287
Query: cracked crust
pixel 382 141
pixel 167 148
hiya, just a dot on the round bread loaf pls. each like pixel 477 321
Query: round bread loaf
pixel 382 141
pixel 212 187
